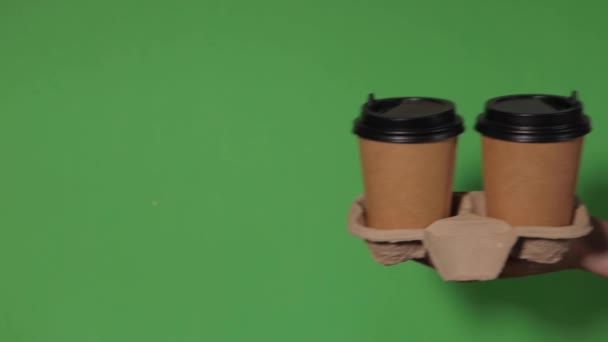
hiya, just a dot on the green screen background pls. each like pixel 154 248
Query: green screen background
pixel 181 170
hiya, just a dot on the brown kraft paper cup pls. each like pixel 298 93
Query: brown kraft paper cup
pixel 531 154
pixel 407 185
pixel 407 148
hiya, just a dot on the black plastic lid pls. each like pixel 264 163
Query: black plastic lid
pixel 408 120
pixel 534 118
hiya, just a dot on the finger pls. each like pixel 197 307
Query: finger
pixel 594 256
pixel 522 268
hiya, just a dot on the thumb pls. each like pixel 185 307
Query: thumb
pixel 595 254
pixel 597 265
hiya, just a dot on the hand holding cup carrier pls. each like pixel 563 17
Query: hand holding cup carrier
pixel 531 153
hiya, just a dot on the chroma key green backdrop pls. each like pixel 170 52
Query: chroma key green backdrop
pixel 181 170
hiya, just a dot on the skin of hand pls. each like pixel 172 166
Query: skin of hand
pixel 593 254
pixel 589 253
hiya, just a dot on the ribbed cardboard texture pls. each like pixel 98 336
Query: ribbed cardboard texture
pixel 407 185
pixel 469 245
pixel 531 183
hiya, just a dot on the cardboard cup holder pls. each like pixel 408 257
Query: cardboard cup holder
pixel 469 245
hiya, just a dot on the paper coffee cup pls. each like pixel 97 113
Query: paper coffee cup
pixel 531 153
pixel 407 148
